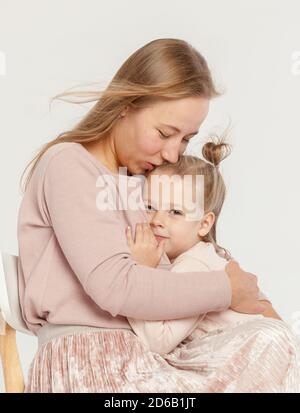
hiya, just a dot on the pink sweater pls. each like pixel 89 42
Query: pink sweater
pixel 74 262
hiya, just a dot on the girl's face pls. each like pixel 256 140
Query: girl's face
pixel 142 139
pixel 178 219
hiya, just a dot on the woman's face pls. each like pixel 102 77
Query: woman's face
pixel 138 139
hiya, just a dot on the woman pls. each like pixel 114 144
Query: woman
pixel 77 280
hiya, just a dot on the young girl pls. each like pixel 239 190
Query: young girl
pixel 189 240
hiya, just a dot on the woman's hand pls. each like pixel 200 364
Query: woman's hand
pixel 245 291
pixel 145 249
pixel 269 310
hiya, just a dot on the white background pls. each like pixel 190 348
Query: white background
pixel 253 49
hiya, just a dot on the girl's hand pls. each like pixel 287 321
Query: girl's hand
pixel 145 249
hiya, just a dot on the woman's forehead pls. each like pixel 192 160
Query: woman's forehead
pixel 186 115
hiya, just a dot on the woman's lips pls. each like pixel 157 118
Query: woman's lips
pixel 149 166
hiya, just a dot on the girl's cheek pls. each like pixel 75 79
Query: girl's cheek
pixel 178 229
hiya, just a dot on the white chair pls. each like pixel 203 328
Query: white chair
pixel 10 321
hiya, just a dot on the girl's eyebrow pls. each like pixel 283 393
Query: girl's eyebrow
pixel 171 205
pixel 147 202
pixel 176 206
pixel 178 130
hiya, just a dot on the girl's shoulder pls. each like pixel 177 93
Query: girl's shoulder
pixel 204 252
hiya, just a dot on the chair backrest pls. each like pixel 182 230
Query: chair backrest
pixel 9 293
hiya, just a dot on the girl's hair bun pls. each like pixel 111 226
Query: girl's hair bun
pixel 216 150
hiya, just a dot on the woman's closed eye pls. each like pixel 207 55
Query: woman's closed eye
pixel 162 135
pixel 167 136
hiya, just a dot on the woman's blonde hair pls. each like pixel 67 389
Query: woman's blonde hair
pixel 162 69
pixel 214 151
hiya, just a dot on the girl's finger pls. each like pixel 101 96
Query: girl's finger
pixel 139 235
pixel 151 234
pixel 161 247
pixel 129 236
pixel 146 233
pixel 152 239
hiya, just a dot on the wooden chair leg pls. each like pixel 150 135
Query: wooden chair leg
pixel 12 370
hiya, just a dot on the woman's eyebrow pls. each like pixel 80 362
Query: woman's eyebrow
pixel 178 130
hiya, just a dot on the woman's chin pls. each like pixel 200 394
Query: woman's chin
pixel 136 170
pixel 130 170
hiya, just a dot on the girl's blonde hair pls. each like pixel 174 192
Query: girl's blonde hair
pixel 213 151
pixel 162 69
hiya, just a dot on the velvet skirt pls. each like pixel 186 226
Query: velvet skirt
pixel 257 356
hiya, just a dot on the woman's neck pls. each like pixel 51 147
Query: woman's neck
pixel 104 150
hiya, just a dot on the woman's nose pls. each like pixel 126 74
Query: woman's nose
pixel 171 151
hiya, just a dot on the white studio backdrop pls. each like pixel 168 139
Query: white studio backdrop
pixel 253 50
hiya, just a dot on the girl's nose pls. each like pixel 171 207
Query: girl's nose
pixel 157 219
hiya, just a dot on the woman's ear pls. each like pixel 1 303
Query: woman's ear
pixel 124 111
pixel 206 223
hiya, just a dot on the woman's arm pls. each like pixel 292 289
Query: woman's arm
pixel 94 244
pixel 164 336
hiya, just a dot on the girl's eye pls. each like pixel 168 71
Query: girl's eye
pixel 162 135
pixel 176 212
pixel 148 207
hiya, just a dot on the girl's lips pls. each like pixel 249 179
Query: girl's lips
pixel 159 237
